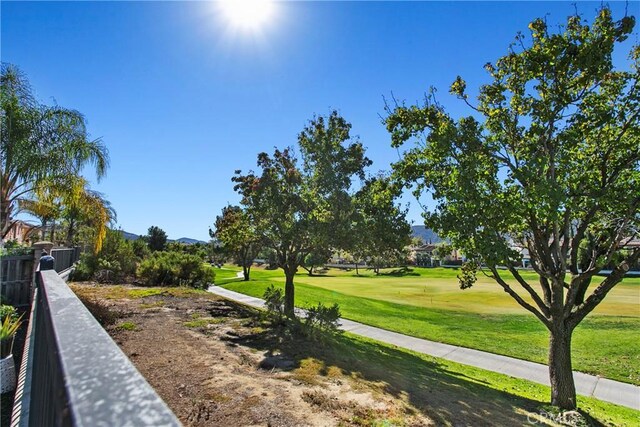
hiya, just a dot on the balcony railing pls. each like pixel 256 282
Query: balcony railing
pixel 73 374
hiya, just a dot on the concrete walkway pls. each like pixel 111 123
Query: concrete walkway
pixel 587 385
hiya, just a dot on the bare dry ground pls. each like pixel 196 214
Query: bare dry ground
pixel 217 363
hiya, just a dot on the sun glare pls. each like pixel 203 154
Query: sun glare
pixel 247 14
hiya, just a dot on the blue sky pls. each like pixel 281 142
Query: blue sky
pixel 182 99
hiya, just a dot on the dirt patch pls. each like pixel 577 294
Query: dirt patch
pixel 188 349
pixel 218 363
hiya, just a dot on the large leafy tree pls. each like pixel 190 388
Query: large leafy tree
pixel 282 209
pixel 549 161
pixel 300 209
pixel 237 233
pixel 381 229
pixel 41 146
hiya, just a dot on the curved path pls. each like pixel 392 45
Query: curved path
pixel 587 385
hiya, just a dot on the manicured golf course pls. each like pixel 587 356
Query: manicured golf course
pixel 427 303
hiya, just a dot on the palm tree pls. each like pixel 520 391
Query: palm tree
pixel 88 208
pixel 41 146
pixel 45 208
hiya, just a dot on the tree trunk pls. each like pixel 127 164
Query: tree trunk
pixel 70 232
pixel 245 272
pixel 5 217
pixel 53 231
pixel 43 232
pixel 563 390
pixel 288 293
pixel 357 274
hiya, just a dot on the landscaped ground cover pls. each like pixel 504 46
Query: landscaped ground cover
pixel 219 363
pixel 427 303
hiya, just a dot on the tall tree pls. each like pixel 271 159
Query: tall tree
pixel 553 166
pixel 40 145
pixel 297 210
pixel 237 233
pixel 281 207
pixel 381 229
pixel 87 208
pixel 156 238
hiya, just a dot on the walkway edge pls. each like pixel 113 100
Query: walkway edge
pixel 586 385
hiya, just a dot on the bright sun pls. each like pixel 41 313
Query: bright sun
pixel 247 14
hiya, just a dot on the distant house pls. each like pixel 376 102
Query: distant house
pixel 423 256
pixel 23 232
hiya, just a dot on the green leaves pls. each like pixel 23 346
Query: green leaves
pixel 467 276
pixel 550 156
pixel 41 145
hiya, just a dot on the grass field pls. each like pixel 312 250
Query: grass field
pixel 449 393
pixel 427 303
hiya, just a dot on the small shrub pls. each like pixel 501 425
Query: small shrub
pixel 84 269
pixel 274 302
pixel 176 269
pixel 321 320
pixel 7 311
pixel 115 260
pixel 8 328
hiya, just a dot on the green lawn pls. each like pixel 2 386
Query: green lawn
pixel 428 304
pixel 225 274
pixel 446 387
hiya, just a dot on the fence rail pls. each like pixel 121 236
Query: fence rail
pixel 76 374
pixel 64 257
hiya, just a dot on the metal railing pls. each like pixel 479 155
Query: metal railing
pixel 73 374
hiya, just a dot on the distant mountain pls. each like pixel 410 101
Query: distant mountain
pixel 189 241
pixel 426 234
pixel 129 236
pixel 185 240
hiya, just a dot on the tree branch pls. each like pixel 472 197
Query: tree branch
pixel 603 289
pixel 534 295
pixel 518 298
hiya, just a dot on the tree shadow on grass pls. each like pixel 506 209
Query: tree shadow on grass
pixel 447 397
pixel 400 272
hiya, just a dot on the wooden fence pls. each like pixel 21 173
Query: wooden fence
pixel 16 279
pixel 16 273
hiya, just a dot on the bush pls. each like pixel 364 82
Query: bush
pixel 176 269
pixel 321 320
pixel 274 302
pixel 115 261
pixel 7 311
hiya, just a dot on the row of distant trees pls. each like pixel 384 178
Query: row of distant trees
pixel 301 205
pixel 43 151
pixel 548 159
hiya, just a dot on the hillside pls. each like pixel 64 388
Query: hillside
pixel 185 240
pixel 426 234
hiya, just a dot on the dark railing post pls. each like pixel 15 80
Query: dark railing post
pixel 47 262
